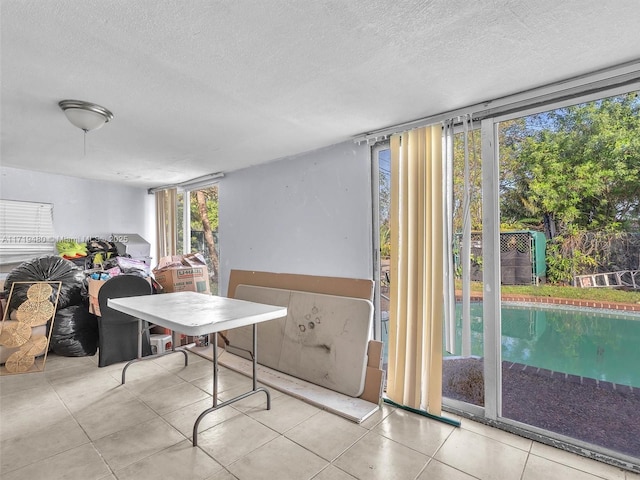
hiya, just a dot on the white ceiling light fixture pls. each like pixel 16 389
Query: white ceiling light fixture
pixel 84 115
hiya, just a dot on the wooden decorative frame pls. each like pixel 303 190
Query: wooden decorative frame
pixel 17 333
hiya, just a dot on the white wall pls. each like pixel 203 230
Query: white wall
pixel 84 208
pixel 309 214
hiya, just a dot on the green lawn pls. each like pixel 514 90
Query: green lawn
pixel 596 294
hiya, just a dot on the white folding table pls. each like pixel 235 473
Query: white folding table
pixel 197 314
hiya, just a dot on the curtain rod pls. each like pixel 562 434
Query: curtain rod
pixel 621 75
pixel 189 184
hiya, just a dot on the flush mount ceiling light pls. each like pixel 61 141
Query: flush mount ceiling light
pixel 84 115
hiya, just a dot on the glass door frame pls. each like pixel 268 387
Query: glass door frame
pixel 375 190
pixel 491 299
pixel 186 217
pixel 492 302
pixel 186 220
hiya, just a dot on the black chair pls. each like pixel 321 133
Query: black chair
pixel 118 341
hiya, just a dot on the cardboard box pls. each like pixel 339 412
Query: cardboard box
pixel 93 287
pixel 374 378
pixel 180 273
pixel 373 385
pixel 374 354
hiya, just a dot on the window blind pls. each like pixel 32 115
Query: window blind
pixel 26 231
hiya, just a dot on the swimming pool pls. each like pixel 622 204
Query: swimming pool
pixel 589 343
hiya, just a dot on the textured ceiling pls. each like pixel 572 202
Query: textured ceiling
pixel 203 86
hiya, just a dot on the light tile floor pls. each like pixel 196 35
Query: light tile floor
pixel 75 421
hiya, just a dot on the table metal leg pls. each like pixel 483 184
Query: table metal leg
pixel 174 338
pixel 215 369
pixel 255 389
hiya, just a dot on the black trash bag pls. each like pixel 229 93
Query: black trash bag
pixel 75 332
pixel 47 269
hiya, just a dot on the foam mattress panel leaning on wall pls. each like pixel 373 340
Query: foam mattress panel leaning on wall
pixel 323 339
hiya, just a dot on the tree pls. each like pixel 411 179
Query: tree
pixel 384 196
pixel 515 206
pixel 204 217
pixel 208 215
pixel 475 180
pixel 576 166
pixel 576 171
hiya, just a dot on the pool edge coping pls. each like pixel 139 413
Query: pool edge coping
pixel 625 307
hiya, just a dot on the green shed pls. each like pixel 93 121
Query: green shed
pixel 522 257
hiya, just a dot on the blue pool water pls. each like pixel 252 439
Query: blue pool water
pixel 588 343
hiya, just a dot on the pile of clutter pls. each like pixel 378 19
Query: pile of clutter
pixel 76 276
pixel 72 330
pixel 90 254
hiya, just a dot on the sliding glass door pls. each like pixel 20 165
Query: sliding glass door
pixel 569 217
pixel 546 213
pixel 463 362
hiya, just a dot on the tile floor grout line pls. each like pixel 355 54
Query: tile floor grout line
pixel 500 441
pixel 316 454
pixel 524 467
pixel 63 386
pixel 433 457
pixel 71 414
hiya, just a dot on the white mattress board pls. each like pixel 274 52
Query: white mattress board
pixel 270 334
pixel 323 339
pixel 354 409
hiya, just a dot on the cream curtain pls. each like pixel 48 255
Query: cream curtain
pixel 417 270
pixel 166 228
